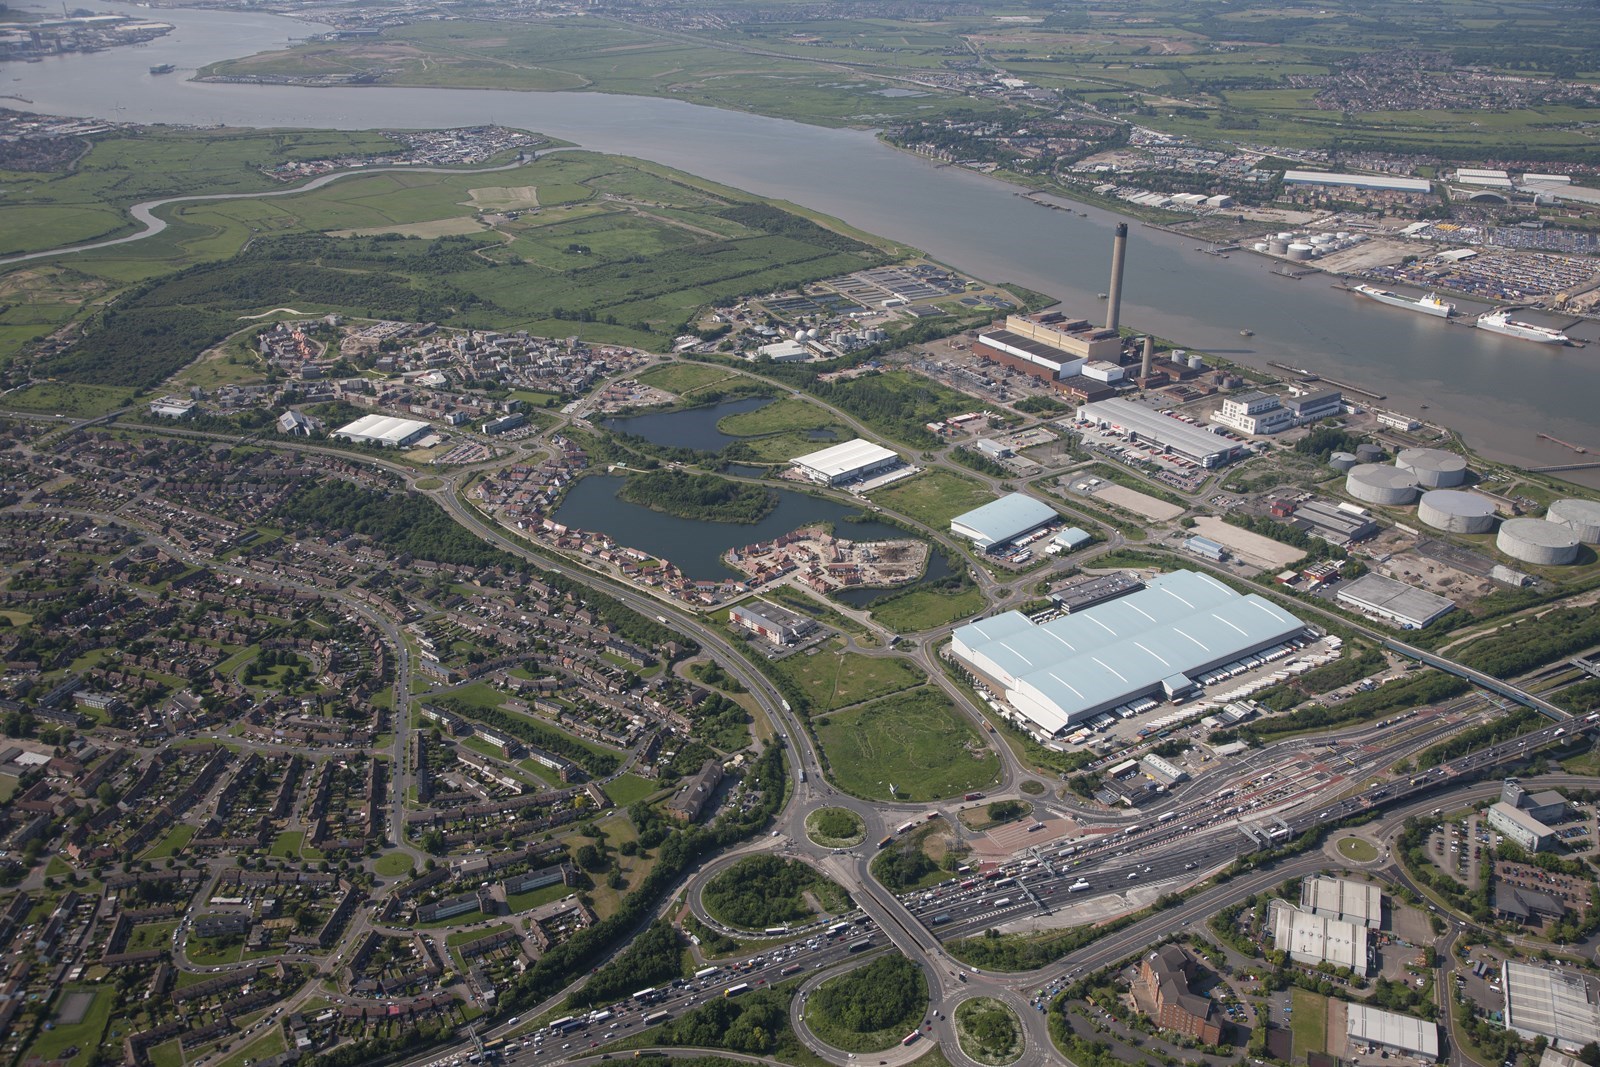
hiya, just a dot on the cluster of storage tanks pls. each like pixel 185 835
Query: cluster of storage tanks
pixel 1550 541
pixel 1303 246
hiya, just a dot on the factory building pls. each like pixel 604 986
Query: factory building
pixel 1147 425
pixel 1080 593
pixel 385 431
pixel 1344 899
pixel 1314 939
pixel 1069 540
pixel 1554 1005
pixel 1397 602
pixel 1255 413
pixel 784 352
pixel 771 623
pixel 1375 1028
pixel 1339 524
pixel 1166 771
pixel 1375 182
pixel 1488 179
pixel 1002 521
pixel 1149 644
pixel 1205 548
pixel 1311 406
pixel 846 462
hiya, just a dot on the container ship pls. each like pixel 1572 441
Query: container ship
pixel 163 68
pixel 1500 321
pixel 1428 305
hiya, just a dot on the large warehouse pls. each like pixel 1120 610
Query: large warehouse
pixel 1315 939
pixel 1390 1031
pixel 1398 602
pixel 1174 435
pixel 846 462
pixel 1551 1004
pixel 1151 643
pixel 1344 899
pixel 1002 521
pixel 384 430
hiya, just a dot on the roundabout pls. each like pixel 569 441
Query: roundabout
pixel 836 828
pixel 989 1031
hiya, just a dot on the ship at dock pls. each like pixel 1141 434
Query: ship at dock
pixel 1500 321
pixel 1428 305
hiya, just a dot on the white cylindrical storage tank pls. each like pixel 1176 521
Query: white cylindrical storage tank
pixel 1369 453
pixel 1343 235
pixel 1259 246
pixel 1278 246
pixel 1285 235
pixel 1433 467
pixel 1323 239
pixel 1457 512
pixel 1582 517
pixel 1180 355
pixel 1299 252
pixel 1377 483
pixel 1548 544
pixel 1196 362
pixel 1342 461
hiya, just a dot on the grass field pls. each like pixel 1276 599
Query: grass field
pixel 934 497
pixel 924 609
pixel 914 741
pixel 172 844
pixel 59 398
pixel 261 1048
pixel 685 378
pixel 287 844
pixel 836 828
pixel 627 789
pixel 1310 1023
pixel 1357 849
pixel 838 679
pixel 84 1035
pixel 393 864
pixel 780 416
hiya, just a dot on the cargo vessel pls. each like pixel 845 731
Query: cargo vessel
pixel 1428 305
pixel 1500 321
pixel 163 68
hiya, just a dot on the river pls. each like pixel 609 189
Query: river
pixel 1498 392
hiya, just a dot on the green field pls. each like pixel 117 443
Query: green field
pixel 172 844
pixel 1310 1024
pixel 287 844
pixel 924 609
pixel 269 1045
pixel 75 401
pixel 915 741
pixel 989 1032
pixel 780 416
pixel 934 497
pixel 1357 849
pixel 838 679
pixel 393 865
pixel 685 378
pixel 836 828
pixel 85 1036
pixel 627 789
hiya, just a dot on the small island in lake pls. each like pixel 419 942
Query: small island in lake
pixel 698 496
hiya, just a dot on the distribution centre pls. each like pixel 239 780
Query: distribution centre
pixel 384 430
pixel 846 462
pixel 1002 521
pixel 1174 435
pixel 1155 641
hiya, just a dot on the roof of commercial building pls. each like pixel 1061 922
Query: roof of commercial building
pixel 1395 599
pixel 1026 346
pixel 1147 422
pixel 1379 1027
pixel 1359 181
pixel 848 456
pixel 1520 817
pixel 1181 623
pixel 381 428
pixel 1340 943
pixel 1543 1001
pixel 1343 898
pixel 1000 520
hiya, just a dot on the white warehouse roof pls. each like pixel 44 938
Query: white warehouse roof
pixel 386 430
pixel 843 459
pixel 1374 1026
pixel 1003 520
pixel 1315 939
pixel 1176 628
pixel 1344 899
pixel 1541 1001
pixel 1202 446
pixel 1357 181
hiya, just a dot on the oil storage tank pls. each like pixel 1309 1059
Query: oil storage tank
pixel 1457 512
pixel 1377 483
pixel 1433 467
pixel 1343 461
pixel 1537 541
pixel 1582 517
pixel 1369 453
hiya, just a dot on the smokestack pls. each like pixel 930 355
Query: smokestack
pixel 1149 356
pixel 1119 251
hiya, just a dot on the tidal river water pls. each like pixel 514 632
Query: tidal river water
pixel 1497 391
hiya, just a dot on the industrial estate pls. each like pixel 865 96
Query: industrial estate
pixel 470 599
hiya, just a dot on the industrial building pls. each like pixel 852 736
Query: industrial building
pixel 1376 483
pixel 1455 511
pixel 1255 413
pixel 1375 182
pixel 1395 601
pixel 1002 521
pixel 1311 406
pixel 784 352
pixel 1339 524
pixel 1547 544
pixel 1489 179
pixel 172 407
pixel 1080 593
pixel 386 431
pixel 1555 1005
pixel 1390 1031
pixel 1150 644
pixel 1344 899
pixel 1205 548
pixel 771 623
pixel 1433 468
pixel 1166 771
pixel 846 462
pixel 1315 939
pixel 1145 424
pixel 1070 540
pixel 1582 517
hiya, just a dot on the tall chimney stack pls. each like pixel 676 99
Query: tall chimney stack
pixel 1149 356
pixel 1119 252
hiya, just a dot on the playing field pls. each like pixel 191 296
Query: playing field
pixel 912 746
